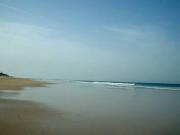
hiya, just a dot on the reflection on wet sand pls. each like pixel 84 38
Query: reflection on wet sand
pixel 27 118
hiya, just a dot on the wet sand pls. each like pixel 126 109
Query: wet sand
pixel 27 118
pixel 12 83
pixel 89 110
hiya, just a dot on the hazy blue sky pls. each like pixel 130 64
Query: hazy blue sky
pixel 122 40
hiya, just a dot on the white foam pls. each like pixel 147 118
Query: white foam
pixel 108 83
pixel 159 88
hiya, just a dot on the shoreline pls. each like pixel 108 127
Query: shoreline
pixel 15 83
pixel 21 117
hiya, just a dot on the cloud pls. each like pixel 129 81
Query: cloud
pixel 24 32
pixel 124 31
pixel 139 36
pixel 136 31
pixel 31 50
pixel 13 8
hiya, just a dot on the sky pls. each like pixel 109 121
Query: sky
pixel 114 40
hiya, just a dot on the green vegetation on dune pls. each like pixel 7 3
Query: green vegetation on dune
pixel 2 74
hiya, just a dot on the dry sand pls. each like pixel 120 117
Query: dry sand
pixel 12 83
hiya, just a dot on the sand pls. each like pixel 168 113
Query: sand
pixel 19 117
pixel 12 83
pixel 27 118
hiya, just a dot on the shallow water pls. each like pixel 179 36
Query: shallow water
pixel 96 109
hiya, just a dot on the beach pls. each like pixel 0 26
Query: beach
pixel 88 108
pixel 21 117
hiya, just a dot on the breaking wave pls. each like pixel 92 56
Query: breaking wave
pixel 158 86
pixel 115 84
